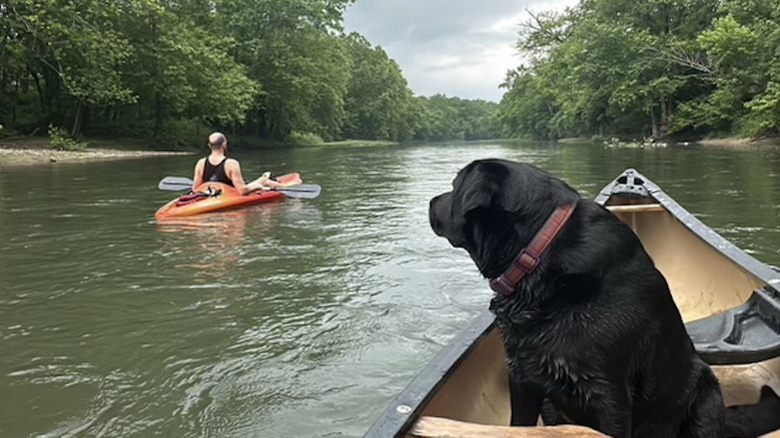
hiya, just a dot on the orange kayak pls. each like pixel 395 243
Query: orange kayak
pixel 222 197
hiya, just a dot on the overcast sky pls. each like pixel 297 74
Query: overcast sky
pixel 461 48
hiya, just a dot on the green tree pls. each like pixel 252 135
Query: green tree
pixel 452 118
pixel 379 103
pixel 71 51
pixel 182 71
pixel 739 62
pixel 292 49
pixel 604 66
pixel 528 108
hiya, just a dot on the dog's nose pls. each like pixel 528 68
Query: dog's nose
pixel 433 218
pixel 432 214
pixel 437 216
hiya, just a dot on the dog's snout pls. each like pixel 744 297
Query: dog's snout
pixel 432 217
pixel 440 217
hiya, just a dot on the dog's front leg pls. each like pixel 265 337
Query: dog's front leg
pixel 526 402
pixel 617 424
pixel 613 416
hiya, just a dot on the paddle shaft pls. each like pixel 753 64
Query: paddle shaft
pixel 178 183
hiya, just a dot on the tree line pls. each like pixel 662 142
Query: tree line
pixel 654 68
pixel 172 70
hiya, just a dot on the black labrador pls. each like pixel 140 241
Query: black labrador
pixel 591 329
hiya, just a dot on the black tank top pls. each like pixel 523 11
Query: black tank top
pixel 216 173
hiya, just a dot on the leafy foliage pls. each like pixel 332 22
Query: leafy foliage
pixel 639 67
pixel 60 140
pixel 447 118
pixel 278 69
pixel 379 103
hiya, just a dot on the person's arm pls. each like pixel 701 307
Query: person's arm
pixel 197 179
pixel 233 171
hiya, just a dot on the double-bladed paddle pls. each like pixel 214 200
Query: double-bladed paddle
pixel 306 191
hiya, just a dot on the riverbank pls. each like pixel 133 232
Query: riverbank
pixel 26 151
pixel 742 143
pixel 764 143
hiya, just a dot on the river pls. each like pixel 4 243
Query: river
pixel 301 318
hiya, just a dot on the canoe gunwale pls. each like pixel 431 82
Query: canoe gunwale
pixel 400 415
pixel 713 239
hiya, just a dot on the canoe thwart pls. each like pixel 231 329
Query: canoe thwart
pixel 744 334
pixel 636 208
pixel 434 427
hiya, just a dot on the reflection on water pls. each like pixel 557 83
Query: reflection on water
pixel 211 241
pixel 293 318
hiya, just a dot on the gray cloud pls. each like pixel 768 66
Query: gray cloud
pixel 459 48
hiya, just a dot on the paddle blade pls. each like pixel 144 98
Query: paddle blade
pixel 175 183
pixel 305 191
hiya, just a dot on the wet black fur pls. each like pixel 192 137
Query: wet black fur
pixel 754 420
pixel 593 330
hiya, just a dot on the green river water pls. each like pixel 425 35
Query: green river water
pixel 301 318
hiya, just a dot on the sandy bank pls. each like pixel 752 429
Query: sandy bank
pixel 742 143
pixel 38 151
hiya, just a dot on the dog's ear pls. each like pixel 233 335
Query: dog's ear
pixel 476 196
pixel 480 186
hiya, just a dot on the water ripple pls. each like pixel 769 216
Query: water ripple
pixel 298 318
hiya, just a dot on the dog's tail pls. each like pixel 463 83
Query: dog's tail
pixel 750 421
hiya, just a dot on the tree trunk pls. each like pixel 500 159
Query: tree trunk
pixel 661 122
pixel 158 115
pixel 16 98
pixel 38 88
pixel 654 124
pixel 76 120
pixel 663 126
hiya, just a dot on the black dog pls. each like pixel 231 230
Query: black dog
pixel 592 328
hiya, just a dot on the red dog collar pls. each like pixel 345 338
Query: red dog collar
pixel 528 258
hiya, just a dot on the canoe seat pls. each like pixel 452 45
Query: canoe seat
pixel 435 427
pixel 743 334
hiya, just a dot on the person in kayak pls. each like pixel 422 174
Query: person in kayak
pixel 219 168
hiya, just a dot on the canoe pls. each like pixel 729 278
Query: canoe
pixel 222 197
pixel 729 301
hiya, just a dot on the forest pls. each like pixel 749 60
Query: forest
pixel 679 69
pixel 278 70
pixel 285 71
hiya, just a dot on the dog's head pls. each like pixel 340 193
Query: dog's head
pixel 495 208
